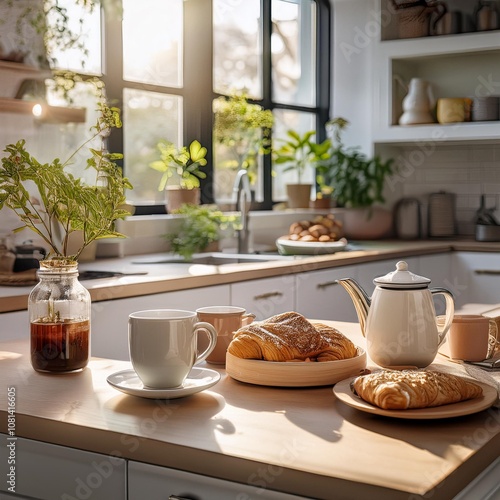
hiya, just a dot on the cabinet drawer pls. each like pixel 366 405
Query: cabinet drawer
pixel 476 277
pixel 47 471
pixel 265 297
pixel 320 297
pixel 159 483
pixel 14 325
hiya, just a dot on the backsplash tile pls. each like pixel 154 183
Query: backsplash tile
pixel 468 172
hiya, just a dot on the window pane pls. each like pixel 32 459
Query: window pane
pixel 237 47
pixel 293 46
pixel 152 41
pixel 285 120
pixel 84 56
pixel 148 117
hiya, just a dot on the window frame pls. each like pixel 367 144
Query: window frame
pixel 197 90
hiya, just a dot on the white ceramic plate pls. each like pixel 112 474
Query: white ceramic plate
pixel 290 247
pixel 344 393
pixel 198 380
pixel 294 373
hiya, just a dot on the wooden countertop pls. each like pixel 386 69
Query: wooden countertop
pixel 181 276
pixel 312 443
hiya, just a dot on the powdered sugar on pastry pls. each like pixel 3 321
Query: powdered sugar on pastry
pixel 289 336
pixel 407 389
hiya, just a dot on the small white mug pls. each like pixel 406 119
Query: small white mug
pixel 162 345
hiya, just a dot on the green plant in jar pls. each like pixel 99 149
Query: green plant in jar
pixel 64 204
pixel 59 305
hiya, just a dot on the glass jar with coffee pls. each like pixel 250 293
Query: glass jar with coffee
pixel 59 312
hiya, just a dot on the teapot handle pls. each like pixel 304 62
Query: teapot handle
pixel 450 311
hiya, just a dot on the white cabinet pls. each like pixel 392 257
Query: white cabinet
pixel 476 277
pixel 14 325
pixel 461 65
pixel 110 318
pixel 46 471
pixel 159 483
pixel 265 297
pixel 319 296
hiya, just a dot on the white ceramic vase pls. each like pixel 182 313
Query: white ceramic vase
pixel 417 104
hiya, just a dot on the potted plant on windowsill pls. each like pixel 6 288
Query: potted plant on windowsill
pixel 357 184
pixel 182 172
pixel 56 205
pixel 297 152
pixel 201 227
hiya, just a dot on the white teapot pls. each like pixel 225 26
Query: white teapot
pixel 399 320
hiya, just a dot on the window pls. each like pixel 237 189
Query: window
pixel 164 64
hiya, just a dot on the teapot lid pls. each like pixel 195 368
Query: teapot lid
pixel 402 278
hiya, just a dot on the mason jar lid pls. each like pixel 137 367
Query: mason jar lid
pixel 402 278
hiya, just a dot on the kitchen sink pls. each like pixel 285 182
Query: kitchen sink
pixel 221 258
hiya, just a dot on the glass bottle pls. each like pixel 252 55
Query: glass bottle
pixel 59 312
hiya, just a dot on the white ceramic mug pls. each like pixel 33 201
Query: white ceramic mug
pixel 226 320
pixel 162 345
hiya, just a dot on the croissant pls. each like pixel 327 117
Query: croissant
pixel 407 389
pixel 290 337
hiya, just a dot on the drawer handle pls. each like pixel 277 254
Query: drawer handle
pixel 487 271
pixel 326 285
pixel 175 497
pixel 267 295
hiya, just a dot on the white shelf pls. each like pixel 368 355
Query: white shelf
pixel 464 65
pixel 51 114
pixel 485 132
pixel 432 46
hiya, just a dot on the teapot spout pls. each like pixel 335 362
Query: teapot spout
pixel 360 300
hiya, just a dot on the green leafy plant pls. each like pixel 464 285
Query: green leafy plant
pixel 182 164
pixel 65 204
pixel 201 225
pixel 244 129
pixel 355 180
pixel 299 151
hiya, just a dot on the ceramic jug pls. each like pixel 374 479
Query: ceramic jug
pixel 486 16
pixel 418 103
pixel 399 320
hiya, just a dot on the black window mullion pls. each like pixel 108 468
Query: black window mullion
pixel 198 84
pixel 267 92
pixel 323 65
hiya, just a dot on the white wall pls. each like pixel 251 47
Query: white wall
pixel 355 29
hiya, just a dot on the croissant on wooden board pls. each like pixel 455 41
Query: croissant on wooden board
pixel 411 389
pixel 290 337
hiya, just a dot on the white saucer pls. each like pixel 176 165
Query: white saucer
pixel 198 380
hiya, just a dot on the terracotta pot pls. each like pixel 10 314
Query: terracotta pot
pixel 299 195
pixel 176 196
pixel 367 223
pixel 321 203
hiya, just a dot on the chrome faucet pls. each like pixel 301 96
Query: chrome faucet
pixel 243 201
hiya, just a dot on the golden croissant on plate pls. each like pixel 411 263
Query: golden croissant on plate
pixel 411 389
pixel 290 337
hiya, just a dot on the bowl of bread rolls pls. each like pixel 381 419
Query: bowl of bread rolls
pixel 322 235
pixel 287 350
